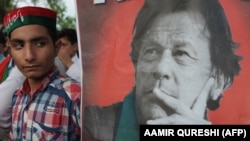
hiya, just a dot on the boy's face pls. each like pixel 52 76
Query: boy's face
pixel 66 46
pixel 33 50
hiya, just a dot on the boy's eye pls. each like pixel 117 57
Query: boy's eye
pixel 40 43
pixel 16 45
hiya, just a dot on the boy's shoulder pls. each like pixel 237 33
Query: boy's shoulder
pixel 70 86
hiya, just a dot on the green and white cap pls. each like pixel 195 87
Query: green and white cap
pixel 29 15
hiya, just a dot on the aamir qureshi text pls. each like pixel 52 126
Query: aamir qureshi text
pixel 182 132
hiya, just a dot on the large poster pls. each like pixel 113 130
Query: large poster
pixel 106 30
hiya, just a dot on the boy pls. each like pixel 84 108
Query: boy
pixel 47 105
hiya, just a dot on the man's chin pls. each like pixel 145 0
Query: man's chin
pixel 152 114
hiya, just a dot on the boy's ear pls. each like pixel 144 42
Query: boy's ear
pixel 75 46
pixel 57 46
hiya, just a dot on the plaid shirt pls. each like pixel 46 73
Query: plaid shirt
pixel 53 113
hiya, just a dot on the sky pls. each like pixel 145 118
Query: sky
pixel 71 8
pixel 70 4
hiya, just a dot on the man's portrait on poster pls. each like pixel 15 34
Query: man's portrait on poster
pixel 184 58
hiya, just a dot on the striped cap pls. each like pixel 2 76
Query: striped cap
pixel 29 15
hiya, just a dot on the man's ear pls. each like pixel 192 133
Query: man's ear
pixel 218 87
pixel 216 92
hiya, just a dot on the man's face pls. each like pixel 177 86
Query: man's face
pixel 66 45
pixel 33 51
pixel 175 52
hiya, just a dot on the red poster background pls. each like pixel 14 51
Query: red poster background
pixel 108 75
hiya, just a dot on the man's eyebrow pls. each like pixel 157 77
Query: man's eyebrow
pixel 183 43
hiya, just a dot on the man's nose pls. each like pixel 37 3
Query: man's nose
pixel 165 66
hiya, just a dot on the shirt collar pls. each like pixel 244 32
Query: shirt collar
pixel 25 88
pixel 75 58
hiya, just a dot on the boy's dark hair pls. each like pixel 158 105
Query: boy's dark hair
pixel 2 37
pixel 69 33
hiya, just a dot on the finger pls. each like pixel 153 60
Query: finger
pixel 171 102
pixel 200 104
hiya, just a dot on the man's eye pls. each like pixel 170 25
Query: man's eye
pixel 151 51
pixel 151 54
pixel 180 53
pixel 183 57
